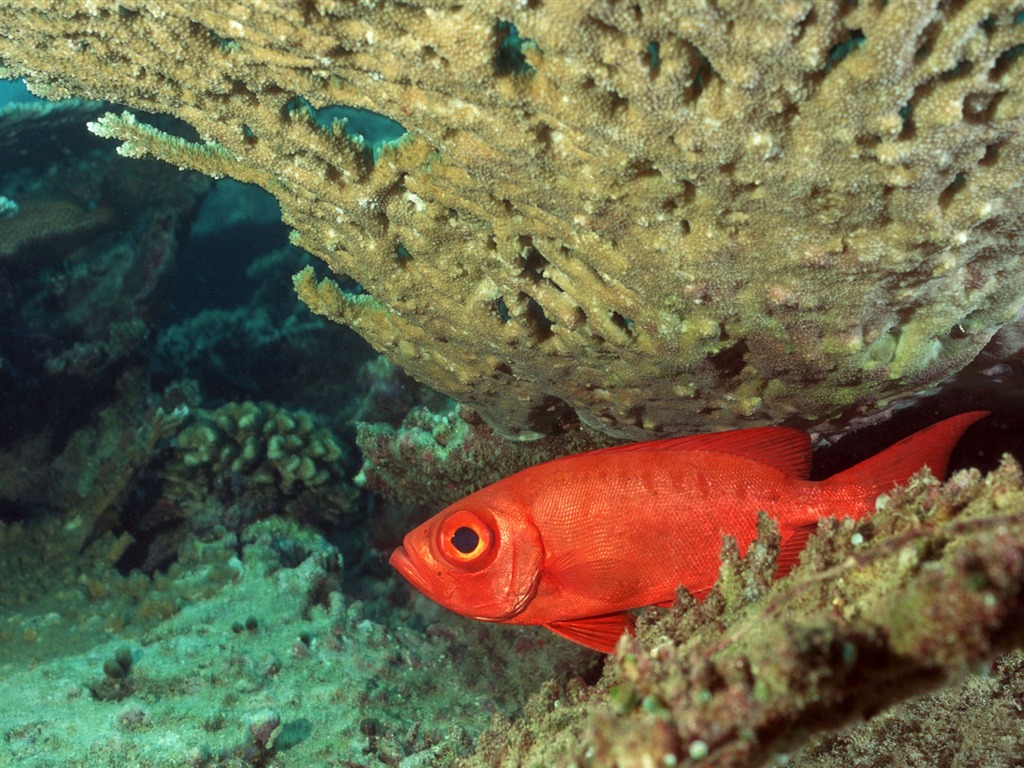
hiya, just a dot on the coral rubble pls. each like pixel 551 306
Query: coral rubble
pixel 650 217
pixel 459 453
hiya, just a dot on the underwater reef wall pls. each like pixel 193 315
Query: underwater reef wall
pixel 647 217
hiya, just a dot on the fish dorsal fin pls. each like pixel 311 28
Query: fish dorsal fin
pixel 601 633
pixel 787 450
pixel 894 466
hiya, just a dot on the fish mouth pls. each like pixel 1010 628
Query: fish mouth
pixel 402 563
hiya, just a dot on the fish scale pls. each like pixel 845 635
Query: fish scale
pixel 577 543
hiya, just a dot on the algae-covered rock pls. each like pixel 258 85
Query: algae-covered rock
pixel 648 217
pixel 432 459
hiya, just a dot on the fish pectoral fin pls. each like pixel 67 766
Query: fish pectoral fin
pixel 600 633
pixel 791 547
pixel 570 571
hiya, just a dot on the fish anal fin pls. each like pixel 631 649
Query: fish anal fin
pixel 787 450
pixel 601 633
pixel 791 547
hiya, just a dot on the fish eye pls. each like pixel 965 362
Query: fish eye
pixel 466 538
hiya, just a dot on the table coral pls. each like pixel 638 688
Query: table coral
pixel 652 217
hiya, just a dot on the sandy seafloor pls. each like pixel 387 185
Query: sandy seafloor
pixel 251 645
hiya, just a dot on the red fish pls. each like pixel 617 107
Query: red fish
pixel 574 544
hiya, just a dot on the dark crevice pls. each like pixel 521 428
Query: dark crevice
pixel 641 168
pixel 950 192
pixel 980 108
pixel 926 40
pixel 552 417
pixel 907 116
pixel 636 415
pixel 538 323
pixel 1005 60
pixel 991 156
pixel 542 131
pixel 533 260
pixel 844 48
pixel 806 23
pixel 702 77
pixel 509 56
pixel 730 361
pixel 618 102
pixel 499 309
pixel 652 59
pixel 623 323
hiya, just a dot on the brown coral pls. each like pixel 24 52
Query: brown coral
pixel 651 216
pixel 51 221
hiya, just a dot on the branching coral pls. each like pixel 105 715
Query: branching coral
pixel 922 593
pixel 652 217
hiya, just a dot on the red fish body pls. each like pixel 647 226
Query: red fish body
pixel 574 544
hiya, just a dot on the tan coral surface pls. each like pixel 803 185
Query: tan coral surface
pixel 651 216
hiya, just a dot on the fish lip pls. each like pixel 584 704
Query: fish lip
pixel 402 563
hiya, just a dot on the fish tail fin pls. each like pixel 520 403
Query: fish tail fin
pixel 896 464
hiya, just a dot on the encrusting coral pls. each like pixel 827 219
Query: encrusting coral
pixel 927 590
pixel 650 217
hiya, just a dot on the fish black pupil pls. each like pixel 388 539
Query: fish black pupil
pixel 465 540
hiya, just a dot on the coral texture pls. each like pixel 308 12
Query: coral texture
pixel 261 444
pixel 433 459
pixel 651 216
pixel 251 631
